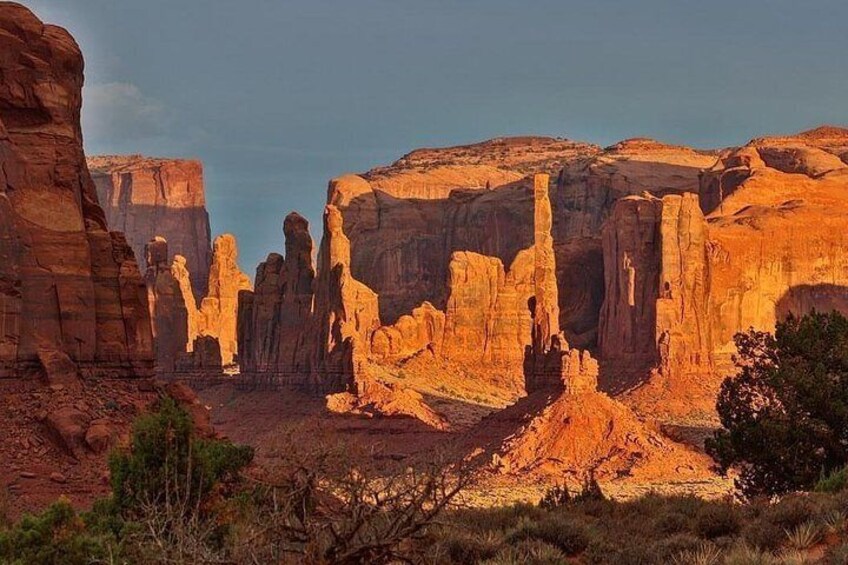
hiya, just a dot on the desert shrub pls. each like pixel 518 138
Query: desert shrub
pixel 672 523
pixel 623 551
pixel 568 536
pixel 705 554
pixel 165 454
pixel 785 416
pixel 836 555
pixel 834 482
pixel 457 546
pixel 56 536
pixel 803 536
pixel 666 549
pixel 527 552
pixel 763 535
pixel 742 554
pixel 501 518
pixel 555 497
pixel 790 512
pixel 717 520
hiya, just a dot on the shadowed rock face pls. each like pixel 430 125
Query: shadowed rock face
pixel 168 308
pixel 68 286
pixel 146 197
pixel 656 308
pixel 585 194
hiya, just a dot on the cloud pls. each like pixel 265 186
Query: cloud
pixel 117 112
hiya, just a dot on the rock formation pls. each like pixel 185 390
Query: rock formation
pixel 274 320
pixel 655 312
pixel 585 193
pixel 218 314
pixel 549 361
pixel 776 229
pixel 70 291
pixel 179 270
pixel 146 197
pixel 168 309
pixel 346 310
pixel 588 434
pixel 434 202
pixel 204 358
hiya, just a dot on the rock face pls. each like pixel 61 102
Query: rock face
pixel 304 329
pixel 585 193
pixel 549 361
pixel 406 220
pixel 68 286
pixel 168 309
pixel 147 197
pixel 346 310
pixel 273 320
pixel 777 232
pixel 179 270
pixel 656 309
pixel 218 316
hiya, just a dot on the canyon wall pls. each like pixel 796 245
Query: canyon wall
pixel 406 220
pixel 776 222
pixel 71 295
pixel 146 197
pixel 584 196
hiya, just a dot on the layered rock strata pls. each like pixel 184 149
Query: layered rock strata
pixel 147 197
pixel 70 290
pixel 656 308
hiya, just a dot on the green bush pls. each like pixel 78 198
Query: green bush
pixel 837 481
pixel 166 454
pixel 57 536
pixel 785 415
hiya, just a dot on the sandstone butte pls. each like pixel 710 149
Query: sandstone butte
pixel 147 197
pixel 76 347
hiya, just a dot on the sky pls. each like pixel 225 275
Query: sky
pixel 276 97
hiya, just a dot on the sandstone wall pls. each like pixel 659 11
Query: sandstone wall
pixel 68 287
pixel 218 315
pixel 146 197
pixel 656 309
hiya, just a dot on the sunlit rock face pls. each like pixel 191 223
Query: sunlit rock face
pixel 218 315
pixel 406 220
pixel 146 197
pixel 69 288
pixel 776 214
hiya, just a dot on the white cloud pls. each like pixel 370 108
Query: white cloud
pixel 117 112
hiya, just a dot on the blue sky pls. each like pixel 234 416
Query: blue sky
pixel 278 96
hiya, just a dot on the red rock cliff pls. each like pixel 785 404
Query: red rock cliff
pixel 68 287
pixel 147 197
